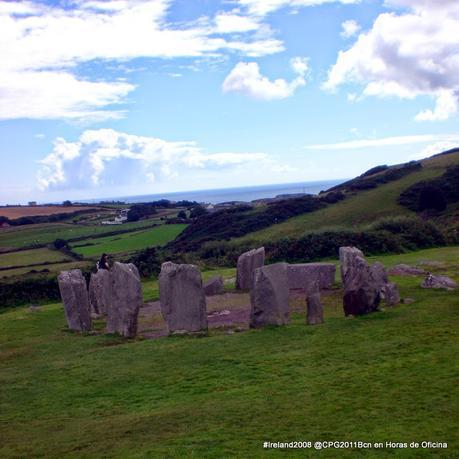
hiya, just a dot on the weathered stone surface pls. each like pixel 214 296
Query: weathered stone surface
pixel 391 294
pixel 361 293
pixel 247 263
pixel 74 294
pixel 269 296
pixel 347 256
pixel 183 302
pixel 445 282
pixel 302 275
pixel 126 299
pixel 379 276
pixel 315 312
pixel 405 270
pixel 100 292
pixel 214 286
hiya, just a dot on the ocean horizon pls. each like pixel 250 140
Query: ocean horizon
pixel 220 195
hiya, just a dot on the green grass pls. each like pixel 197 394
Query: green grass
pixel 388 376
pixel 53 269
pixel 28 257
pixel 23 236
pixel 129 242
pixel 356 211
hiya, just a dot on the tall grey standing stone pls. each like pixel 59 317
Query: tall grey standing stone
pixel 182 298
pixel 269 296
pixel 361 292
pixel 247 263
pixel 303 275
pixel 126 298
pixel 100 291
pixel 315 311
pixel 74 294
pixel 347 256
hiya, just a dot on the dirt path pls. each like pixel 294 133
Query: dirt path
pixel 228 311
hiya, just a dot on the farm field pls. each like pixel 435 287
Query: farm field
pixel 189 397
pixel 29 257
pixel 128 242
pixel 54 268
pixel 356 211
pixel 30 211
pixel 26 235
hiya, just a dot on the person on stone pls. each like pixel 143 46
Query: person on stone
pixel 103 262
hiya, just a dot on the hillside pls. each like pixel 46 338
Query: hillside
pixel 360 207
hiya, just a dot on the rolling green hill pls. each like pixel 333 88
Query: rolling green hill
pixel 360 208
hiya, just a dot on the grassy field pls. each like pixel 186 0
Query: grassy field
pixel 12 212
pixel 389 376
pixel 55 268
pixel 28 257
pixel 128 242
pixel 26 235
pixel 356 211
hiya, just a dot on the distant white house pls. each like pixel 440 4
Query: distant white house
pixel 119 220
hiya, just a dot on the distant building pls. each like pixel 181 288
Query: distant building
pixel 32 203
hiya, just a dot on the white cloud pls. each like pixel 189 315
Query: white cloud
pixel 235 23
pixel 107 157
pixel 40 43
pixel 386 142
pixel 435 148
pixel 409 54
pixel 264 7
pixel 245 78
pixel 349 28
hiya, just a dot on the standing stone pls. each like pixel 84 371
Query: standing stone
pixel 347 256
pixel 182 298
pixel 126 299
pixel 315 311
pixel 247 263
pixel 74 294
pixel 303 275
pixel 379 275
pixel 361 292
pixel 391 294
pixel 100 291
pixel 214 286
pixel 269 296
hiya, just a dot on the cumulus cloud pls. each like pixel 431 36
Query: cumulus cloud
pixel 349 28
pixel 264 7
pixel 43 45
pixel 245 78
pixel 387 142
pixel 435 148
pixel 108 157
pixel 407 54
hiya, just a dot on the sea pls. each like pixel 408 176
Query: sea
pixel 220 195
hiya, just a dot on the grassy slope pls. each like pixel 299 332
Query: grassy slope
pixel 129 241
pixel 23 236
pixel 362 208
pixel 28 257
pixel 386 376
pixel 53 269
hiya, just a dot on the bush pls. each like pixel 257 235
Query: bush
pixel 147 262
pixel 23 291
pixel 433 194
pixel 59 244
pixel 386 236
pixel 431 197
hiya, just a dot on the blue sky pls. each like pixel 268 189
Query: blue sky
pixel 127 97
